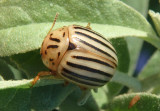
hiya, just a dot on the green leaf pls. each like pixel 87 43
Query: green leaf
pixel 101 97
pixel 5 70
pixel 134 44
pixel 24 24
pixel 140 5
pixel 14 84
pixel 156 20
pixel 27 83
pixel 12 15
pixel 124 79
pixel 12 96
pixel 27 39
pixel 156 90
pixel 30 63
pixel 71 103
pixel 152 67
pixel 114 89
pixel 147 86
pixel 123 66
pixel 122 54
pixel 21 37
pixel 49 97
pixel 147 102
pixel 18 95
pixel 134 48
pixel 17 99
pixel 1 78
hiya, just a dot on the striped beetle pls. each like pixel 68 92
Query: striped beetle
pixel 78 55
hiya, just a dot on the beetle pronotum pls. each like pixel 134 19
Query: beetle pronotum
pixel 78 55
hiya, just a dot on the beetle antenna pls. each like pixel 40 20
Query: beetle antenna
pixel 53 23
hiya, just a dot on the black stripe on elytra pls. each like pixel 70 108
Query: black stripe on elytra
pixel 83 77
pixel 93 60
pixel 92 46
pixel 52 46
pixel 89 69
pixel 79 81
pixel 89 30
pixel 54 39
pixel 96 40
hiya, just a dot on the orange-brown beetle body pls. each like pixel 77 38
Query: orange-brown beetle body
pixel 79 55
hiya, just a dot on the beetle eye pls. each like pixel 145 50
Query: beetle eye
pixel 71 46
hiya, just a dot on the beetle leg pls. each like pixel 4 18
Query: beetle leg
pixel 42 74
pixel 88 26
pixel 82 88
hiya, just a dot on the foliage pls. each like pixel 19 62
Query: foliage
pixel 23 26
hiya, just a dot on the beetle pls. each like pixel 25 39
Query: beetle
pixel 78 55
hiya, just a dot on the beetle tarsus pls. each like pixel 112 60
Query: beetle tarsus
pixel 40 74
pixel 34 81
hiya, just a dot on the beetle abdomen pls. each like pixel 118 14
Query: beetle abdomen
pixel 85 68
